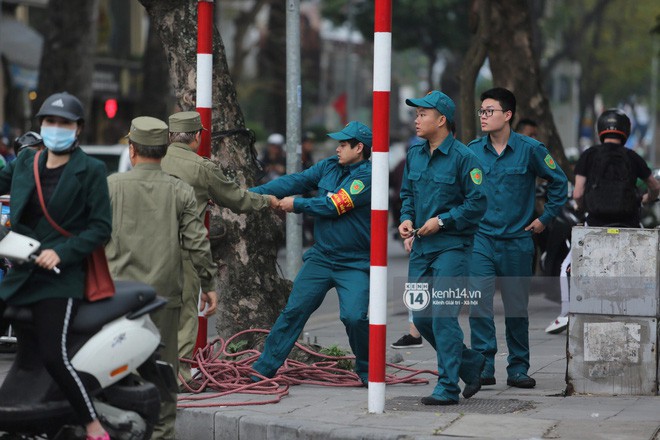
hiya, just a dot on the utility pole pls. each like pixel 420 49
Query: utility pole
pixel 293 148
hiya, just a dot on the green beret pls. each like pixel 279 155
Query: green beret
pixel 185 122
pixel 146 130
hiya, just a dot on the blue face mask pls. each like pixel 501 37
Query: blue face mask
pixel 58 139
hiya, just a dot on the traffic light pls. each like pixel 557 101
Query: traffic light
pixel 110 108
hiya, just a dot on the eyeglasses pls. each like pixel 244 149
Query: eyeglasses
pixel 488 112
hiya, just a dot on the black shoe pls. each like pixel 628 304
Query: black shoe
pixel 485 381
pixel 521 380
pixel 430 400
pixel 473 387
pixel 408 341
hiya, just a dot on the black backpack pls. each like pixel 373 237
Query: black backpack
pixel 610 191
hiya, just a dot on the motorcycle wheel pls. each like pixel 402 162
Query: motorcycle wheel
pixel 135 394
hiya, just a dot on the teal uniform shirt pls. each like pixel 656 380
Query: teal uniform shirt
pixel 445 184
pixel 502 247
pixel 511 180
pixel 339 258
pixel 342 209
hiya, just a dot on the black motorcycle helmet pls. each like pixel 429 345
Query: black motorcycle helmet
pixel 64 105
pixel 28 140
pixel 613 123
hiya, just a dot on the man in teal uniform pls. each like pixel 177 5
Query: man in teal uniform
pixel 503 246
pixel 340 255
pixel 442 203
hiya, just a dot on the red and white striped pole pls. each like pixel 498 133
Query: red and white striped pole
pixel 204 107
pixel 379 204
pixel 205 71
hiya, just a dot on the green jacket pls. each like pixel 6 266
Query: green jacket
pixel 209 182
pixel 155 220
pixel 80 205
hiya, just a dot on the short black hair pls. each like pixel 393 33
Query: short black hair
pixel 505 97
pixel 525 122
pixel 366 150
pixel 150 151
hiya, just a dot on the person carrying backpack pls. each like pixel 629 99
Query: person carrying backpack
pixel 605 178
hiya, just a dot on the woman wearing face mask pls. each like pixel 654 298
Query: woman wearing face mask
pixel 75 193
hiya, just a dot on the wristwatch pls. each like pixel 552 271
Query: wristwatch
pixel 441 223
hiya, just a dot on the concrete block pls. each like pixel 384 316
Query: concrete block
pixel 614 271
pixel 612 355
pixel 194 425
pixel 252 427
pixel 226 426
pixel 497 426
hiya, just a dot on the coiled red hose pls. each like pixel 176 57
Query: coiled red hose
pixel 223 377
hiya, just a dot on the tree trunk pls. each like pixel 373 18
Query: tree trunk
pixel 502 31
pixel 244 246
pixel 67 61
pixel 244 22
pixel 516 67
pixel 272 68
pixel 472 62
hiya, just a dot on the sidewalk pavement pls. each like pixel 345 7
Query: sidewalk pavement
pixel 496 412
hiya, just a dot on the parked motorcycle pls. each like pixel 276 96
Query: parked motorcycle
pixel 112 342
pixel 7 337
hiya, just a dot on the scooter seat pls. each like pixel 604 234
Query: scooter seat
pixel 129 296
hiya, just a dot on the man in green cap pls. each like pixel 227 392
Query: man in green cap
pixel 442 203
pixel 339 257
pixel 210 184
pixel 148 198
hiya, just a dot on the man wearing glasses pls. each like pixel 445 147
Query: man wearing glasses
pixel 503 245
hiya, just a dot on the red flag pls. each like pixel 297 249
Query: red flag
pixel 339 105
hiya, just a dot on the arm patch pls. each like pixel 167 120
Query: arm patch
pixel 342 201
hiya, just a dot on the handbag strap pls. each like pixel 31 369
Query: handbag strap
pixel 37 180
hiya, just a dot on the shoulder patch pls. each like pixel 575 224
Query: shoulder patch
pixel 357 186
pixel 476 175
pixel 550 162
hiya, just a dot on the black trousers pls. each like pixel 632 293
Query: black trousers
pixel 52 318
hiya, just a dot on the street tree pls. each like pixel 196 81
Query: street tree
pixel 244 21
pixel 244 246
pixel 271 64
pixel 603 37
pixel 502 32
pixel 430 26
pixel 155 97
pixel 67 61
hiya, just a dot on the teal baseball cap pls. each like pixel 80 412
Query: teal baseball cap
pixel 353 130
pixel 436 100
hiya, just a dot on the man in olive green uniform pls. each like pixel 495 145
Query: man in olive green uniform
pixel 147 201
pixel 209 183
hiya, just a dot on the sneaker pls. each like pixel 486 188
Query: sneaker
pixel 473 387
pixel 408 341
pixel 430 400
pixel 558 325
pixel 486 381
pixel 521 380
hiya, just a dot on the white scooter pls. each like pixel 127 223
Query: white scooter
pixel 112 342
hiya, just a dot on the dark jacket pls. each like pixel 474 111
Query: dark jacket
pixel 80 204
